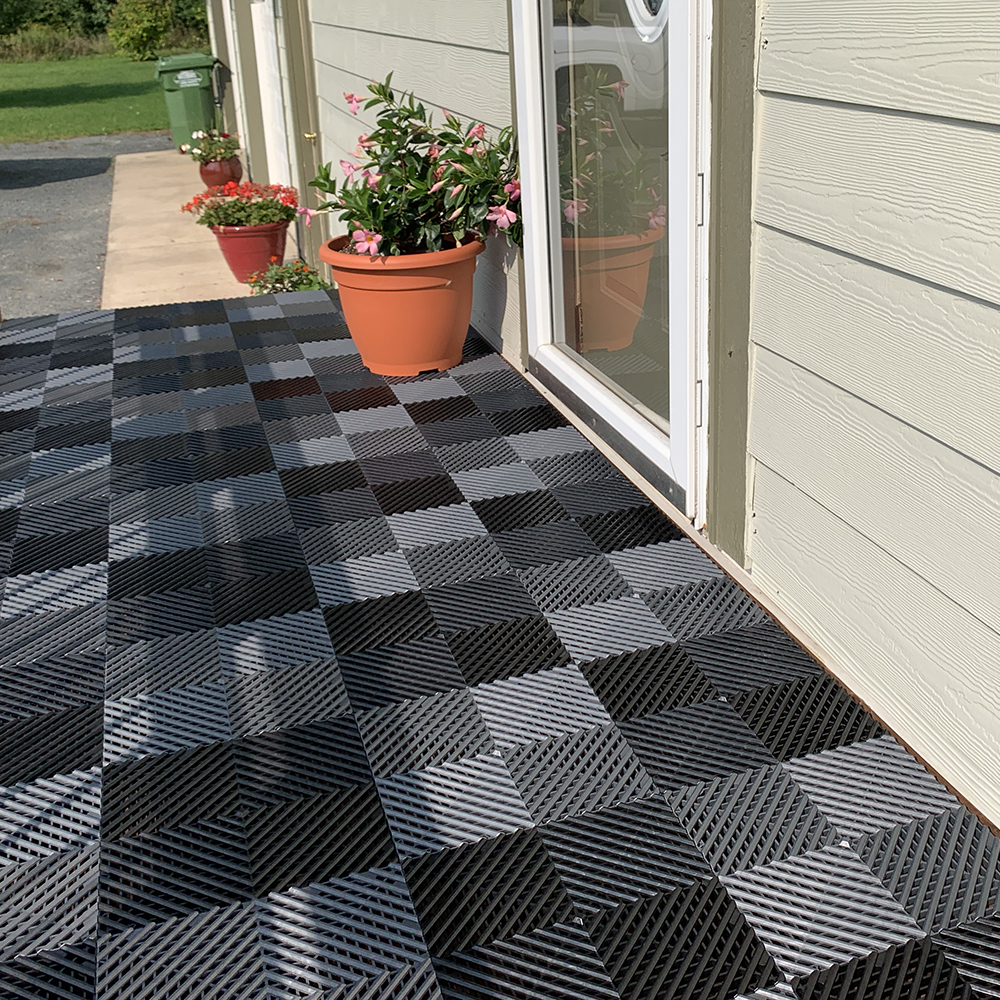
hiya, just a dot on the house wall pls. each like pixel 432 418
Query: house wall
pixel 452 54
pixel 875 359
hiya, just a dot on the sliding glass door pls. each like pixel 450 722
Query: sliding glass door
pixel 607 112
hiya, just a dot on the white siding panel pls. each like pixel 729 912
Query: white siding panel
pixel 469 82
pixel 884 478
pixel 919 660
pixel 904 54
pixel 927 356
pixel 914 194
pixel 469 23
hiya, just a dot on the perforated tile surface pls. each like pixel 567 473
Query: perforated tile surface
pixel 318 684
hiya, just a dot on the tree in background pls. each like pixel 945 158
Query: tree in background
pixel 140 27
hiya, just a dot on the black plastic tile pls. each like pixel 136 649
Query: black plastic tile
pixel 69 548
pixel 474 603
pixel 521 421
pixel 404 672
pixel 298 843
pixel 264 596
pixel 623 853
pixel 554 542
pixel 380 621
pixel 394 468
pixel 522 510
pixel 507 649
pixel 805 716
pixel 310 480
pixel 440 433
pixel 299 763
pixel 286 388
pixel 156 574
pixel 690 942
pixel 56 743
pixel 557 962
pixel 450 408
pixel 293 406
pixel 361 399
pixel 694 744
pixel 628 528
pixel 647 681
pixel 467 896
pixel 168 790
pixel 71 435
pixel 417 494
pixel 157 615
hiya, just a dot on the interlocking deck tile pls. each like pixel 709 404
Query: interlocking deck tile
pixel 403 690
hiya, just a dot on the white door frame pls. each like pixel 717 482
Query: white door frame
pixel 680 454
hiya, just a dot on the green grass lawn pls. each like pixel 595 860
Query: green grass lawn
pixel 90 95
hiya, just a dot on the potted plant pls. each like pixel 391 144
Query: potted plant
pixel 612 216
pixel 215 153
pixel 419 201
pixel 249 220
pixel 291 276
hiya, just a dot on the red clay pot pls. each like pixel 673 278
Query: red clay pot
pixel 219 172
pixel 614 273
pixel 248 249
pixel 407 314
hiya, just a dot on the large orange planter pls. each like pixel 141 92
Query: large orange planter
pixel 407 314
pixel 614 274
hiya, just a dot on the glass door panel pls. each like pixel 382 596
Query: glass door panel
pixel 609 62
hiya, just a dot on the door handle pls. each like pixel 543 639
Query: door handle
pixel 311 136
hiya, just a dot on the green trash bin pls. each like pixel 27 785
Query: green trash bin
pixel 187 87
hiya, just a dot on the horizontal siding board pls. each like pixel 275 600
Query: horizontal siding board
pixel 469 23
pixel 914 194
pixel 927 356
pixel 927 56
pixel 829 443
pixel 921 662
pixel 471 83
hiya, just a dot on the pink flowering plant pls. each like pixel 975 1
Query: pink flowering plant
pixel 608 184
pixel 412 187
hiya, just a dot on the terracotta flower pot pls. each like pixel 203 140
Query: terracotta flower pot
pixel 614 273
pixel 407 314
pixel 248 249
pixel 219 172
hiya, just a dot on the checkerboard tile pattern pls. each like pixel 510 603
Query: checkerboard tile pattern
pixel 318 684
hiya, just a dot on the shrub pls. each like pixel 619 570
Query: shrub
pixel 40 41
pixel 139 27
pixel 192 14
pixel 14 15
pixel 295 276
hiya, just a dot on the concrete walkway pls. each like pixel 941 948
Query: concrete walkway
pixel 156 253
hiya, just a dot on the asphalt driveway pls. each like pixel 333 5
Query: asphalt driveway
pixel 55 198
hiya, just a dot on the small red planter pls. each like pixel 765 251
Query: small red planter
pixel 249 249
pixel 219 172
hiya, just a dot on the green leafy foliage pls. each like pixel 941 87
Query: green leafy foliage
pixel 293 276
pixel 140 27
pixel 212 146
pixel 413 187
pixel 608 184
pixel 245 204
pixel 191 14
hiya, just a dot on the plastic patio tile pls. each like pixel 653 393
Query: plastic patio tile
pixel 317 684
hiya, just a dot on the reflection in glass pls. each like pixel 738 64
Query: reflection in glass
pixel 611 124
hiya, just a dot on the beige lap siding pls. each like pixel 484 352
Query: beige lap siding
pixel 875 383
